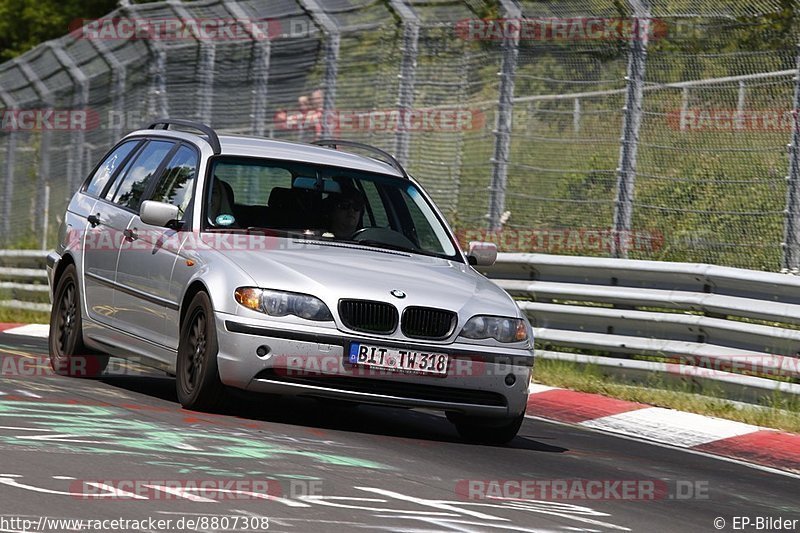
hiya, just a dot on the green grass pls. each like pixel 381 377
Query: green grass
pixel 23 316
pixel 777 411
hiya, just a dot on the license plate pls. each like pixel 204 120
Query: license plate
pixel 397 360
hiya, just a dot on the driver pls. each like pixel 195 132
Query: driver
pixel 343 213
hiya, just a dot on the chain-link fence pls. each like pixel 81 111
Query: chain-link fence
pixel 654 130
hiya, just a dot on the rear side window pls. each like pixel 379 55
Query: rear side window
pixel 138 174
pixel 110 164
pixel 175 187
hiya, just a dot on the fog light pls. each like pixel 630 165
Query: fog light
pixel 511 379
pixel 263 350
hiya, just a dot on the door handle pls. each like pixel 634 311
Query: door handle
pixel 130 234
pixel 94 220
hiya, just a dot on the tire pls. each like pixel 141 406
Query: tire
pixel 68 355
pixel 197 381
pixel 491 431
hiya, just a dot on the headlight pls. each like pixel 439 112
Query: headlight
pixel 496 327
pixel 278 303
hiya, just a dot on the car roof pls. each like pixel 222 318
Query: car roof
pixel 248 146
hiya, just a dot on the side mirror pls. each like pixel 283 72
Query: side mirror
pixel 482 253
pixel 159 214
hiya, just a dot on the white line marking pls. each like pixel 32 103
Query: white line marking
pixel 535 388
pixel 756 466
pixel 31 330
pixel 28 393
pixel 673 427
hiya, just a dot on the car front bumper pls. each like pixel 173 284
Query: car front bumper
pixel 311 361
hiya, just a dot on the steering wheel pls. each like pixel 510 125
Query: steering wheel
pixel 384 235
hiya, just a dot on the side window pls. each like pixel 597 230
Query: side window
pixel 177 182
pixel 104 172
pixel 252 184
pixel 137 175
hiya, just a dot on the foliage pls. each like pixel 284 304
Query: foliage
pixel 26 23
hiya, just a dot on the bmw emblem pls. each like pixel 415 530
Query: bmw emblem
pixel 398 294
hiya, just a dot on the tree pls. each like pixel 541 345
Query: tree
pixel 26 23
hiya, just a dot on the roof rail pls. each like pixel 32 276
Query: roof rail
pixel 213 139
pixel 333 143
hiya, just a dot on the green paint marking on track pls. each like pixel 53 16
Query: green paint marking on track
pixel 79 428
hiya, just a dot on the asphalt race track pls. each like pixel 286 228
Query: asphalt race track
pixel 122 448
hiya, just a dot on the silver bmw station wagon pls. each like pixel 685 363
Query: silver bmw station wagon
pixel 288 268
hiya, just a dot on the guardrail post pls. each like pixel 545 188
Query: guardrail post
pixel 408 71
pixel 331 30
pixel 80 100
pixel 791 233
pixel 505 105
pixel 626 173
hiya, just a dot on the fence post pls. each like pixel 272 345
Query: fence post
pixel 204 70
pixel 331 30
pixel 118 77
pixel 740 105
pixel 157 104
pixel 791 234
pixel 505 105
pixel 79 101
pixel 8 188
pixel 259 66
pixel 408 72
pixel 626 173
pixel 46 98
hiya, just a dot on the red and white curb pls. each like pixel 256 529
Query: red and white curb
pixel 716 436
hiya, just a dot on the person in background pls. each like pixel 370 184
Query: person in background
pixel 300 119
pixel 315 115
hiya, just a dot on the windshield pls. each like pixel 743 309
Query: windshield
pixel 328 204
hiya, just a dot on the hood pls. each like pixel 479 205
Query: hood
pixel 331 272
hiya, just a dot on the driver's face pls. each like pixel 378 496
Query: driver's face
pixel 346 216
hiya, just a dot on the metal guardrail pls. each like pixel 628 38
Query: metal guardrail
pixel 722 327
pixel 23 280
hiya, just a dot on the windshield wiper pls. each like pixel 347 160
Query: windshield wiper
pixel 397 247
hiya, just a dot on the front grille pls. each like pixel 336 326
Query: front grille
pixel 399 388
pixel 428 323
pixel 368 316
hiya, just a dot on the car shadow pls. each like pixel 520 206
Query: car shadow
pixel 378 421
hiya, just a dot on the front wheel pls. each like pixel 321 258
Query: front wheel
pixel 68 354
pixel 492 431
pixel 197 381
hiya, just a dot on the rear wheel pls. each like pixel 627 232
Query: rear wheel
pixel 197 381
pixel 68 354
pixel 492 431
